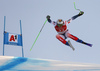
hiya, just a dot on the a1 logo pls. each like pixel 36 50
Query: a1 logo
pixel 13 38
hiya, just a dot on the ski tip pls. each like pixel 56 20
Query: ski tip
pixel 74 49
pixel 71 46
pixel 91 45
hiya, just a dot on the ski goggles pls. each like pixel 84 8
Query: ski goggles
pixel 59 25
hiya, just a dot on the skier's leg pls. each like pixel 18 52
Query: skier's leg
pixel 77 39
pixel 62 39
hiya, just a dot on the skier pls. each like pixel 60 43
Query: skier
pixel 63 33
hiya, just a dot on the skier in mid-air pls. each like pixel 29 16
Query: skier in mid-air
pixel 63 33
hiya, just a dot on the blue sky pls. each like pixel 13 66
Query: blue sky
pixel 33 14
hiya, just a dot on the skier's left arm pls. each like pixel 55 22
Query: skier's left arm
pixel 76 16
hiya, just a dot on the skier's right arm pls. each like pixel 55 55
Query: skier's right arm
pixel 50 21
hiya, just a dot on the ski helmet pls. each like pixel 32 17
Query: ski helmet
pixel 60 22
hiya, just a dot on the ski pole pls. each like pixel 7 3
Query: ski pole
pixel 75 7
pixel 38 35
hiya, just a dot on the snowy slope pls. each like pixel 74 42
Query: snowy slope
pixel 31 64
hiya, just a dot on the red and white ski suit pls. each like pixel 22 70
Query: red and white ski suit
pixel 62 31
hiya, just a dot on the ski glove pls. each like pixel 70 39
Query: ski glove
pixel 48 17
pixel 80 13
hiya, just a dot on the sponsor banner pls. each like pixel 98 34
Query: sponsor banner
pixel 12 39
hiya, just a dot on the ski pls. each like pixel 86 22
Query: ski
pixel 71 45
